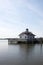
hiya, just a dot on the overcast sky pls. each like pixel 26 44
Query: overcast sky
pixel 17 15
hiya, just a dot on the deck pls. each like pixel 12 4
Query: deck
pixel 18 40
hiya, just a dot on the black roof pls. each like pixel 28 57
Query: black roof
pixel 27 33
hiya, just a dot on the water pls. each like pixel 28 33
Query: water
pixel 21 54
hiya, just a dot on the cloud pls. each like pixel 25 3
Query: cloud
pixel 5 4
pixel 34 8
pixel 15 14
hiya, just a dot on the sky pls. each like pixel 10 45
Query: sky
pixel 17 15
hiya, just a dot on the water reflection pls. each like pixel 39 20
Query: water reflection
pixel 28 54
pixel 21 54
pixel 26 50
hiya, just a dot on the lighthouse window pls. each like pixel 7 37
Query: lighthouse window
pixel 20 37
pixel 25 36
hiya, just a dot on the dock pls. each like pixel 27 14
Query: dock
pixel 15 40
pixel 18 40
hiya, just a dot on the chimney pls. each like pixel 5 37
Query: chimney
pixel 27 30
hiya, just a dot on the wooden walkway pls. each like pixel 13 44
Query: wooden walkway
pixel 15 40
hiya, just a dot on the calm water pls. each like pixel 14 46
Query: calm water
pixel 21 54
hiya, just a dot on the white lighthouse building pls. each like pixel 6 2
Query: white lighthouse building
pixel 27 35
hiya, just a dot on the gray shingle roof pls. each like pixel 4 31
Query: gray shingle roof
pixel 27 33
